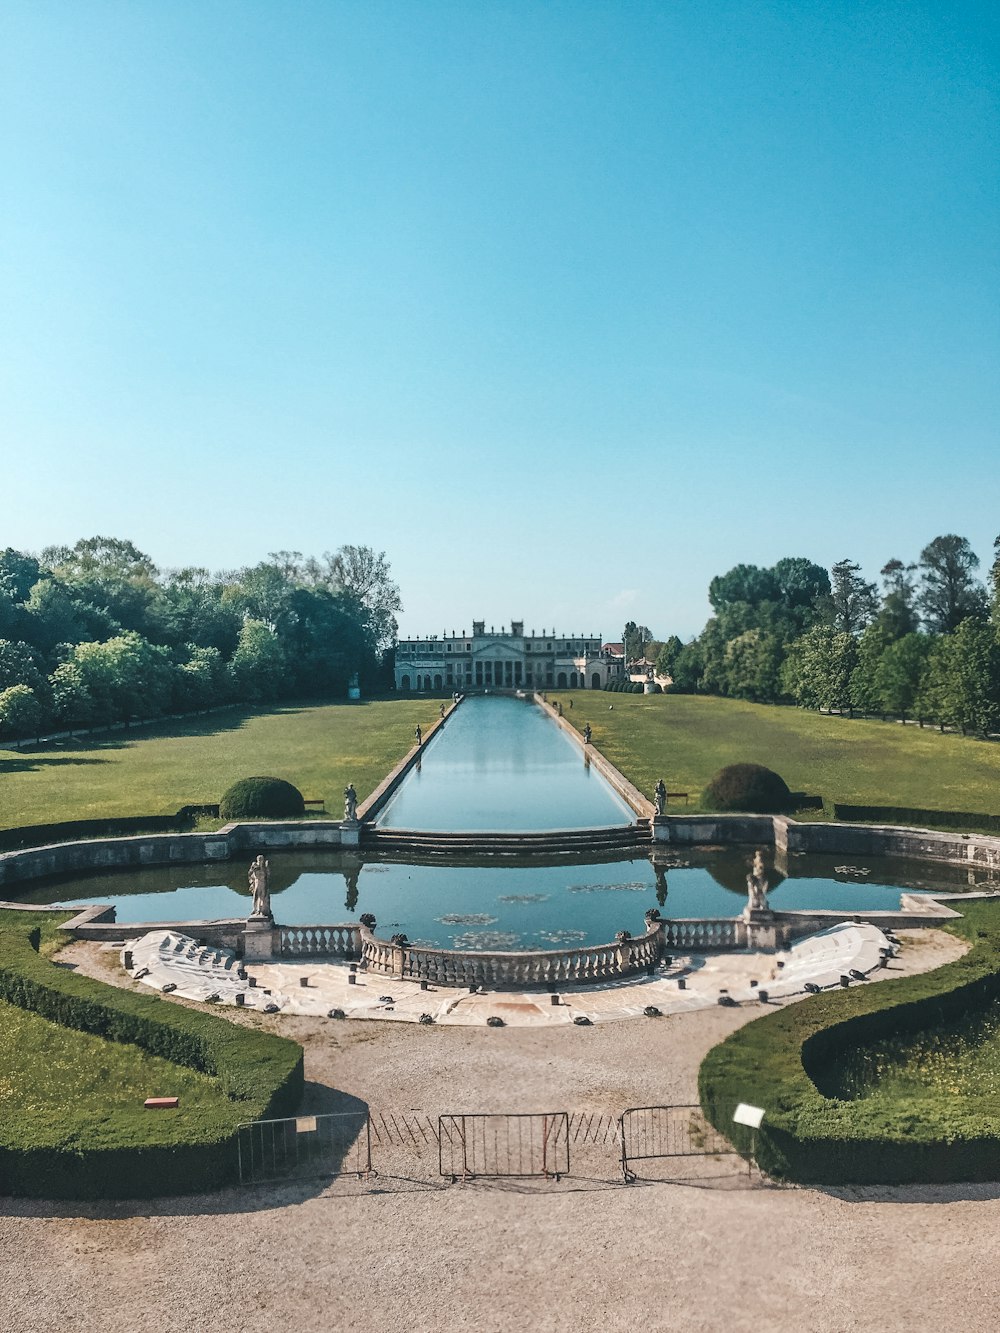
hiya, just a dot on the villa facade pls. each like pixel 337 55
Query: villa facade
pixel 504 659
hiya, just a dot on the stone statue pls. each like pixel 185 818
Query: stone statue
pixel 259 877
pixel 350 803
pixel 587 733
pixel 757 885
pixel 660 797
pixel 419 736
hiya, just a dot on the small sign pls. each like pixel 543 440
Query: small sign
pixel 745 1114
pixel 305 1124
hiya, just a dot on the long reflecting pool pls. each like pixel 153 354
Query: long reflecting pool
pixel 502 906
pixel 502 765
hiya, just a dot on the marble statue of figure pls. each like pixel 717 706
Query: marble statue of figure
pixel 660 797
pixel 350 802
pixel 259 878
pixel 757 885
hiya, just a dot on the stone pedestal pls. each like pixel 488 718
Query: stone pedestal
pixel 660 826
pixel 762 929
pixel 260 939
pixel 350 833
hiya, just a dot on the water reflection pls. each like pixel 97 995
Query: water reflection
pixel 536 900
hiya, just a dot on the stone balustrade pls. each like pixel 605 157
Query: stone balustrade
pixel 320 941
pixel 495 970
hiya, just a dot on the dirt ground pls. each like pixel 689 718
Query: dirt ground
pixel 713 1251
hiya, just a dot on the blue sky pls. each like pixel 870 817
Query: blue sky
pixel 565 306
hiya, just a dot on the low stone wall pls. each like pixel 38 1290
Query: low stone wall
pixel 978 850
pixel 690 830
pixel 629 793
pixel 369 809
pixel 498 970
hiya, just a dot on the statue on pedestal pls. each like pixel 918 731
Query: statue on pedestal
pixel 660 797
pixel 757 886
pixel 259 877
pixel 350 804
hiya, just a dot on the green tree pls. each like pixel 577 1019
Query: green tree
pixel 258 666
pixel 666 658
pixel 20 711
pixel 899 674
pixel 865 695
pixel 949 591
pixel 19 665
pixel 125 677
pixel 817 671
pixel 853 601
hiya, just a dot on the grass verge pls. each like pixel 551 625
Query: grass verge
pixel 686 739
pixel 319 748
pixel 77 1060
pixel 782 1061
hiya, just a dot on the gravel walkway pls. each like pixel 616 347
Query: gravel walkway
pixel 710 1254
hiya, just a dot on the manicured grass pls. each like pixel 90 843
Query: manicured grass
pixel 43 1066
pixel 158 769
pixel 922 1051
pixel 686 739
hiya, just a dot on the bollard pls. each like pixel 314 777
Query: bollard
pixel 553 999
pixel 681 984
pixel 424 984
pixel 252 981
pixel 241 999
pixel 762 996
pixel 128 960
pixel 304 982
pixel 352 978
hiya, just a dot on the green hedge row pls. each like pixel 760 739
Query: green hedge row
pixel 79 1155
pixel 777 1062
pixel 901 814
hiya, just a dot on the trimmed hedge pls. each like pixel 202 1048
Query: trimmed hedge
pixel 747 788
pixel 262 798
pixel 40 835
pixel 814 1139
pixel 82 1155
pixel 901 814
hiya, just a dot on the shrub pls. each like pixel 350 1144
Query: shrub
pixel 815 1139
pixel 82 1155
pixel 748 788
pixel 261 798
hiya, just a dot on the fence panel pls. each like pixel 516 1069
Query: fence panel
pixel 668 1131
pixel 503 1145
pixel 304 1146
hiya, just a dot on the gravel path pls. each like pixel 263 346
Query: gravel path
pixel 711 1254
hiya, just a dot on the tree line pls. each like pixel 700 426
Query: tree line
pixel 95 633
pixel 923 644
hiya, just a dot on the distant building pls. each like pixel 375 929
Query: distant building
pixel 504 659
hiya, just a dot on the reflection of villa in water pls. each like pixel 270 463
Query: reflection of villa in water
pixel 504 660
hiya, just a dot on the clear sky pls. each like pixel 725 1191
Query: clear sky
pixel 565 306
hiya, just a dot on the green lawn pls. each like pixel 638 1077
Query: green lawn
pixel 686 739
pixel 158 769
pixel 43 1065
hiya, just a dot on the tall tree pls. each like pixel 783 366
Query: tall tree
pixel 949 592
pixel 899 597
pixel 854 602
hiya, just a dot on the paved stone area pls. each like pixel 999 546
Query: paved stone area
pixel 692 981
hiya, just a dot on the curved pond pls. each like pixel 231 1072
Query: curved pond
pixel 502 765
pixel 486 905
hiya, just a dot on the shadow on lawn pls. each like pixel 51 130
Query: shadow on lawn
pixel 36 762
pixel 254 1198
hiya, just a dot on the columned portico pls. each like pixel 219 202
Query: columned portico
pixel 504 659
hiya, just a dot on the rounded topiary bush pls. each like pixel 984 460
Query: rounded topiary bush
pixel 748 788
pixel 261 798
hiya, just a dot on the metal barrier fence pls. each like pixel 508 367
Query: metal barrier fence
pixel 667 1131
pixel 503 1145
pixel 303 1146
pixel 467 1146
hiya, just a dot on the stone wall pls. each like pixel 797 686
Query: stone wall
pixel 629 793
